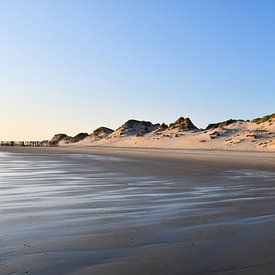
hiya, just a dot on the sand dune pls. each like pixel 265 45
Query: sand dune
pixel 257 134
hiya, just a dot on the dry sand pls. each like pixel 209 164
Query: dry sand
pixel 136 211
pixel 238 136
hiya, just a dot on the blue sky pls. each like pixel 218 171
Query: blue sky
pixel 72 66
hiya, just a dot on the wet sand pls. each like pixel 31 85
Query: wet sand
pixel 107 211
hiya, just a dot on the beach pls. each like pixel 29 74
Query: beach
pixel 137 137
pixel 98 210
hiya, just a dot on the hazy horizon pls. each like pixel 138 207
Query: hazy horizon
pixel 73 66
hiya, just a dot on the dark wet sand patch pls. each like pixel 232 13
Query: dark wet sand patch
pixel 74 214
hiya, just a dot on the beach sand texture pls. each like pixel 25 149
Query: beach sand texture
pixel 104 211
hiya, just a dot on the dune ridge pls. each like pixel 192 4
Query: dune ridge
pixel 232 134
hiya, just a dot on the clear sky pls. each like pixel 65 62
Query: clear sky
pixel 72 66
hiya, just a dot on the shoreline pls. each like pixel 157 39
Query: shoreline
pixel 144 212
pixel 251 158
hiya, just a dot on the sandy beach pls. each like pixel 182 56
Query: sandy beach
pixel 94 210
pixel 137 137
